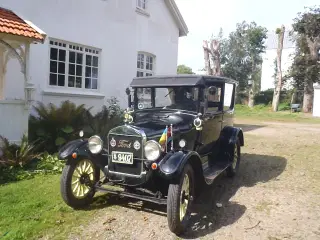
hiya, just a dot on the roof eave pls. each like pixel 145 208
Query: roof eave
pixel 42 33
pixel 183 28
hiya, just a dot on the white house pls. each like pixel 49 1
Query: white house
pixel 92 50
pixel 316 100
pixel 268 65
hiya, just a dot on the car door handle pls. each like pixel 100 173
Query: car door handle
pixel 222 121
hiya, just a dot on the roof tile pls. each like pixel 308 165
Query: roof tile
pixel 11 23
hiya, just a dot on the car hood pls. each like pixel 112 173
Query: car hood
pixel 153 122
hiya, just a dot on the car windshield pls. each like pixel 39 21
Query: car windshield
pixel 183 98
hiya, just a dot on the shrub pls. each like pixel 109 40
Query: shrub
pixel 54 126
pixel 16 155
pixel 109 117
pixel 50 163
pixel 14 158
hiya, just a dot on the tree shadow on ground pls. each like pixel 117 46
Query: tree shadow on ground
pixel 207 217
pixel 248 127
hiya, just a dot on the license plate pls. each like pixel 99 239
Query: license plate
pixel 122 157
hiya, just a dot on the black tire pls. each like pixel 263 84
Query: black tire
pixel 233 169
pixel 176 225
pixel 66 189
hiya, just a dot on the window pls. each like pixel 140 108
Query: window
pixel 141 4
pixel 145 68
pixel 73 66
pixel 228 92
pixel 145 65
pixel 214 98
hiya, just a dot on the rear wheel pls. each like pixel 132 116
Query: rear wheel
pixel 77 183
pixel 235 156
pixel 180 197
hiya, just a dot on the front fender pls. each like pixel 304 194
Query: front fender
pixel 173 163
pixel 66 151
pixel 229 135
pixel 80 147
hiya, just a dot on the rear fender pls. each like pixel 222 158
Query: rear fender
pixel 229 135
pixel 171 166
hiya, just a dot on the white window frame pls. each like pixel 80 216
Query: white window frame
pixel 143 65
pixel 142 4
pixel 77 48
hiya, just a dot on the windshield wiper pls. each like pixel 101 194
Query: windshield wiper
pixel 169 93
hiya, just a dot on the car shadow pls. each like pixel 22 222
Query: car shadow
pixel 248 127
pixel 207 217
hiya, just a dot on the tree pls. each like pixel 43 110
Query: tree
pixel 183 69
pixel 277 89
pixel 241 56
pixel 305 66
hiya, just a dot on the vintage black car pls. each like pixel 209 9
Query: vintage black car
pixel 178 136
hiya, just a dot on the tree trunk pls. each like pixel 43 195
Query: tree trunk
pixel 252 90
pixel 206 57
pixel 215 51
pixel 307 96
pixel 308 85
pixel 276 95
pixel 294 96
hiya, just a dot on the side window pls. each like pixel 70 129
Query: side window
pixel 228 91
pixel 214 98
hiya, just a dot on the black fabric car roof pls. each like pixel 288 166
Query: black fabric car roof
pixel 178 80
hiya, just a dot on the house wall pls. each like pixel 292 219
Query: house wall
pixel 14 119
pixel 316 101
pixel 114 27
pixel 268 67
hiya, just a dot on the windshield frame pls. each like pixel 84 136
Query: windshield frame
pixel 153 96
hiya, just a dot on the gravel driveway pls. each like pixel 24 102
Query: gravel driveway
pixel 276 195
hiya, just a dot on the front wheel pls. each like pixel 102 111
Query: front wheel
pixel 77 183
pixel 180 197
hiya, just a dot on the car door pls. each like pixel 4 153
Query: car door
pixel 212 120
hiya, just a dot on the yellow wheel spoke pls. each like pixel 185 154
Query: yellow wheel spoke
pixel 83 172
pixel 84 166
pixel 76 181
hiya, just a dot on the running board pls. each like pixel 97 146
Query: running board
pixel 215 170
pixel 161 201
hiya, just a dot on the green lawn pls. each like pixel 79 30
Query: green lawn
pixel 33 208
pixel 265 113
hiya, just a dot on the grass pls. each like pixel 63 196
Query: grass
pixel 33 208
pixel 262 112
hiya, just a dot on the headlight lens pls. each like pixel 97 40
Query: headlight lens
pixel 182 143
pixel 95 144
pixel 152 150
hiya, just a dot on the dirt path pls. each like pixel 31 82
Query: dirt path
pixel 276 195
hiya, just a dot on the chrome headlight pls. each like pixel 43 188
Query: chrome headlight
pixel 152 150
pixel 95 144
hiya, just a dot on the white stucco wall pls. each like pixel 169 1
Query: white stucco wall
pixel 112 26
pixel 268 67
pixel 316 101
pixel 14 120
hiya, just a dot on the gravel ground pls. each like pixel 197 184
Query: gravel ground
pixel 275 195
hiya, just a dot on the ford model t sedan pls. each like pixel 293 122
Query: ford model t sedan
pixel 177 136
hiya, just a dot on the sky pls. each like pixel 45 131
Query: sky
pixel 206 17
